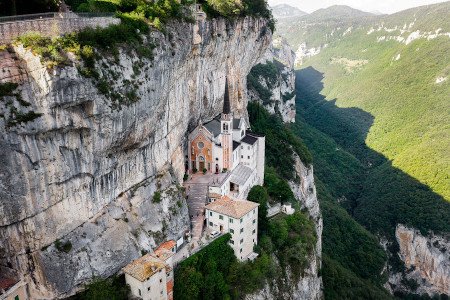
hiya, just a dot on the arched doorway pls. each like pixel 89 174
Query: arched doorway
pixel 201 163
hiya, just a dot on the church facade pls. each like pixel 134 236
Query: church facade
pixel 226 145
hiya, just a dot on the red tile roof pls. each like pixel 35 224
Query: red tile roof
pixel 167 245
pixel 6 283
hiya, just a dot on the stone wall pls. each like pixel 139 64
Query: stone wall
pixel 52 25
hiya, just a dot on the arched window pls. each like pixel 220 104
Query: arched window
pixel 200 145
pixel 201 158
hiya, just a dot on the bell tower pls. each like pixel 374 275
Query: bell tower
pixel 226 129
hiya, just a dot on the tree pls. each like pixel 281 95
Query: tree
pixel 259 195
pixel 226 7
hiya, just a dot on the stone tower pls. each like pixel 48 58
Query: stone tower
pixel 226 125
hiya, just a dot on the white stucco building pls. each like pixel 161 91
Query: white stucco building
pixel 225 144
pixel 237 217
pixel 150 277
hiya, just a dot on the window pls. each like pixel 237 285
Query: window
pixel 231 231
pixel 200 145
pixel 16 297
pixel 248 147
pixel 242 156
pixel 254 221
pixel 242 230
pixel 231 242
pixel 139 291
pixel 248 157
pixel 160 280
pixel 242 241
pixel 231 220
pixel 242 220
pixel 242 133
pixel 201 158
pixel 220 217
pixel 148 289
pixel 211 224
pixel 253 231
pixel 210 213
pixel 241 252
pixel 242 147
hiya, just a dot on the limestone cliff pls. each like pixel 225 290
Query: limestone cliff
pixel 427 262
pixel 279 81
pixel 86 185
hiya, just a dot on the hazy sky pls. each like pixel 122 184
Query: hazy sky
pixel 384 6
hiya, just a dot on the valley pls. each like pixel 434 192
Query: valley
pixel 373 109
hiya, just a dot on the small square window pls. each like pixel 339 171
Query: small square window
pixel 242 230
pixel 254 221
pixel 220 217
pixel 254 231
pixel 248 157
pixel 242 156
pixel 148 289
pixel 242 220
pixel 210 213
pixel 231 231
pixel 231 220
pixel 210 223
pixel 242 241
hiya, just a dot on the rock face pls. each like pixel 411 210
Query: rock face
pixel 85 185
pixel 282 101
pixel 310 285
pixel 427 260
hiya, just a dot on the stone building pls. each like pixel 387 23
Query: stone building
pixel 225 144
pixel 240 219
pixel 150 277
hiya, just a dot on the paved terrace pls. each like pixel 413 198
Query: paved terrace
pixel 197 191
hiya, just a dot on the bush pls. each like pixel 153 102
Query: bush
pixel 157 197
pixel 205 170
pixel 7 88
pixel 113 288
pixel 259 195
pixel 185 177
pixel 63 247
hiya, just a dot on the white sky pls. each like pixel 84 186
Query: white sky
pixel 384 6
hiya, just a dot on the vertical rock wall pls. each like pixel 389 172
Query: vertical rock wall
pixel 77 183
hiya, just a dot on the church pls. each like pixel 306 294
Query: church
pixel 226 145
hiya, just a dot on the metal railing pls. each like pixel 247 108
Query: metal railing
pixel 52 15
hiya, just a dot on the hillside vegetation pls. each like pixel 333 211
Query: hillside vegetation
pixel 373 109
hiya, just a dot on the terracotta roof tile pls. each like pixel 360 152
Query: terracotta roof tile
pixel 232 208
pixel 143 268
pixel 6 283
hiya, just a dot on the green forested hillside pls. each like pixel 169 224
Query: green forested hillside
pixel 373 108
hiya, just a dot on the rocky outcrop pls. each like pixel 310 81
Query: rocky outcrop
pixel 310 285
pixel 427 262
pixel 80 180
pixel 280 58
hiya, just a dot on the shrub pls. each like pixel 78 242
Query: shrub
pixel 63 247
pixel 205 170
pixel 157 197
pixel 113 288
pixel 185 177
pixel 7 88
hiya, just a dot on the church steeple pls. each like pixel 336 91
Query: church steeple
pixel 226 101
